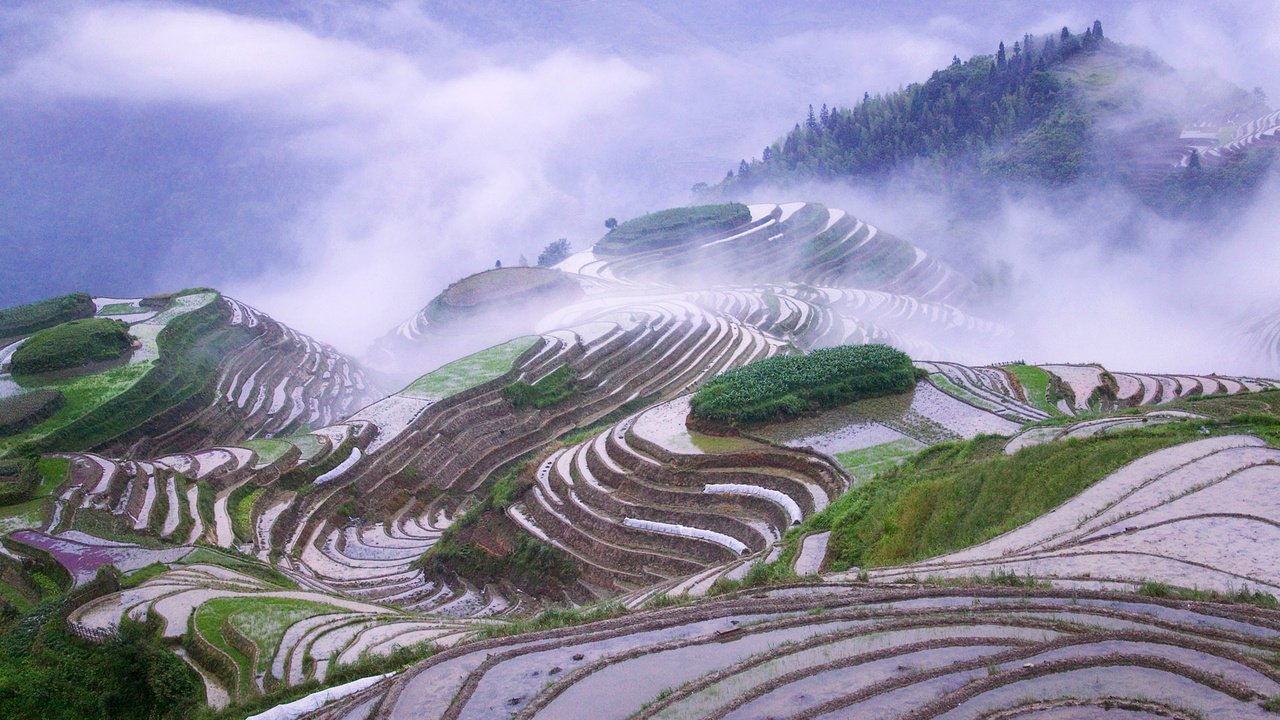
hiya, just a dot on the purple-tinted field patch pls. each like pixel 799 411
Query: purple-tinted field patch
pixel 82 557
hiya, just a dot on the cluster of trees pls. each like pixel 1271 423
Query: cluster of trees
pixel 958 113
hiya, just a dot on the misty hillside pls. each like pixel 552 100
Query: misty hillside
pixel 1047 110
pixel 960 402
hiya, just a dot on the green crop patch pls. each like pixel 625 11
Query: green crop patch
pixel 866 463
pixel 670 228
pixel 70 345
pixel 786 386
pixel 1035 384
pixel 470 371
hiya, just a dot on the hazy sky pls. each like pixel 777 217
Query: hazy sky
pixel 338 163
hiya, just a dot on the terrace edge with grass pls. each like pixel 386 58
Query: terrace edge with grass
pixel 672 227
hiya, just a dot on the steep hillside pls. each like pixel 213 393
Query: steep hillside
pixel 168 373
pixel 1047 111
pixel 652 446
pixel 471 314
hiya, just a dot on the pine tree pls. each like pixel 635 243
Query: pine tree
pixel 1097 30
pixel 767 155
pixel 1066 34
pixel 811 122
pixel 1000 59
pixel 824 117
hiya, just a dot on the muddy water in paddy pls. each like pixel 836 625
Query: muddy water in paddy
pixel 826 686
pixel 628 685
pixel 1213 664
pixel 1090 712
pixel 519 678
pixel 1122 680
pixel 902 701
pixel 819 685
pixel 831 432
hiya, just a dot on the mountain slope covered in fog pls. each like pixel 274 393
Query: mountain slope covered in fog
pixel 1047 111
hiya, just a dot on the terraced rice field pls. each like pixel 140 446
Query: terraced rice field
pixel 291 519
pixel 810 652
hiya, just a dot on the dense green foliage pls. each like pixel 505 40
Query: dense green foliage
pixel 785 386
pixel 961 111
pixel 956 495
pixel 70 345
pixel 19 479
pixel 554 252
pixel 555 387
pixel 669 228
pixel 45 672
pixel 1183 190
pixel 31 317
pixel 1047 111
pixel 19 412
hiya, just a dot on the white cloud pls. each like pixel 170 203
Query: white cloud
pixel 440 174
pixel 449 153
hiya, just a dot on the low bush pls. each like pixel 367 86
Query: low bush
pixel 19 479
pixel 785 386
pixel 70 345
pixel 554 388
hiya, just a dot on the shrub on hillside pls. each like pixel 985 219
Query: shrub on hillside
pixel 555 387
pixel 668 228
pixel 785 386
pixel 41 314
pixel 71 344
pixel 18 480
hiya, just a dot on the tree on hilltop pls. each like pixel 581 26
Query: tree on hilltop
pixel 554 252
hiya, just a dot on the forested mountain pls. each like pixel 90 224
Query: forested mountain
pixel 1049 110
